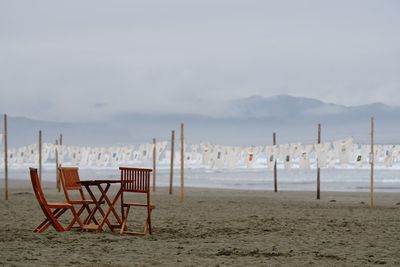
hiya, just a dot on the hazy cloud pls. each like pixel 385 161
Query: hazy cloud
pixel 61 59
pixel 100 105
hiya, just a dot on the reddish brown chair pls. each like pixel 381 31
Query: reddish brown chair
pixel 134 180
pixel 51 215
pixel 69 178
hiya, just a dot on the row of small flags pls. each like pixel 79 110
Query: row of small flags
pixel 328 154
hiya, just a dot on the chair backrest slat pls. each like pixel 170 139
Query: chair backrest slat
pixel 140 187
pixel 135 180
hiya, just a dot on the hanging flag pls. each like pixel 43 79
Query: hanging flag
pixel 250 156
pixel 136 153
pixel 322 156
pixel 84 160
pixel 295 151
pixel 304 162
pixel 46 152
pixel 388 156
pixel 115 156
pixel 343 150
pixel 21 155
pixel 192 156
pixel 146 152
pixel 283 152
pixel 93 155
pixel 32 151
pixel 272 152
pixel 99 156
pixel 233 156
pixel 219 156
pixel 74 155
pixel 206 153
pixel 62 152
pixel 13 156
pixel 357 156
pixel 288 162
pixel 161 150
pixel 395 154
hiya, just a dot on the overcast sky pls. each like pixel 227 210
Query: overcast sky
pixel 86 60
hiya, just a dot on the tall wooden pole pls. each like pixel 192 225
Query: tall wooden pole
pixel 59 164
pixel 275 170
pixel 318 168
pixel 40 155
pixel 61 149
pixel 5 157
pixel 154 164
pixel 58 181
pixel 171 171
pixel 182 163
pixel 372 160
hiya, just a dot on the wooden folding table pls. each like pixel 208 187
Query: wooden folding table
pixel 103 186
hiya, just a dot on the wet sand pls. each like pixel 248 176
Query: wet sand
pixel 215 228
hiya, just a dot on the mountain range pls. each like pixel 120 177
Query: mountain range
pixel 252 121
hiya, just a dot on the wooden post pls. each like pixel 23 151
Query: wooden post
pixel 171 172
pixel 154 164
pixel 40 155
pixel 58 181
pixel 372 160
pixel 182 163
pixel 318 168
pixel 58 164
pixel 275 170
pixel 5 157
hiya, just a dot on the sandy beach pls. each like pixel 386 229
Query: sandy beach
pixel 215 228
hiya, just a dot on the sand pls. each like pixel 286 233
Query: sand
pixel 215 228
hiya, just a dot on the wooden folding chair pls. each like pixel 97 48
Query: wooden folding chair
pixel 135 180
pixel 69 177
pixel 51 215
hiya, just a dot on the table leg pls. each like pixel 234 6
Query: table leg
pixel 110 205
pixel 97 205
pixel 107 200
pixel 109 211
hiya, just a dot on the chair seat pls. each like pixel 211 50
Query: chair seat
pixel 138 205
pixel 59 205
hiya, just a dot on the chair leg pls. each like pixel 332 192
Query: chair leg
pixel 149 220
pixel 123 226
pixel 80 211
pixel 56 224
pixel 105 215
pixel 52 220
pixel 41 225
pixel 75 219
pixel 146 227
pixel 90 217
pixel 78 214
pixel 46 223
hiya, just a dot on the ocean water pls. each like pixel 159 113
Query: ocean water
pixel 346 180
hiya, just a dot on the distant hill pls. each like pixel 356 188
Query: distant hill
pixel 284 106
pixel 255 118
